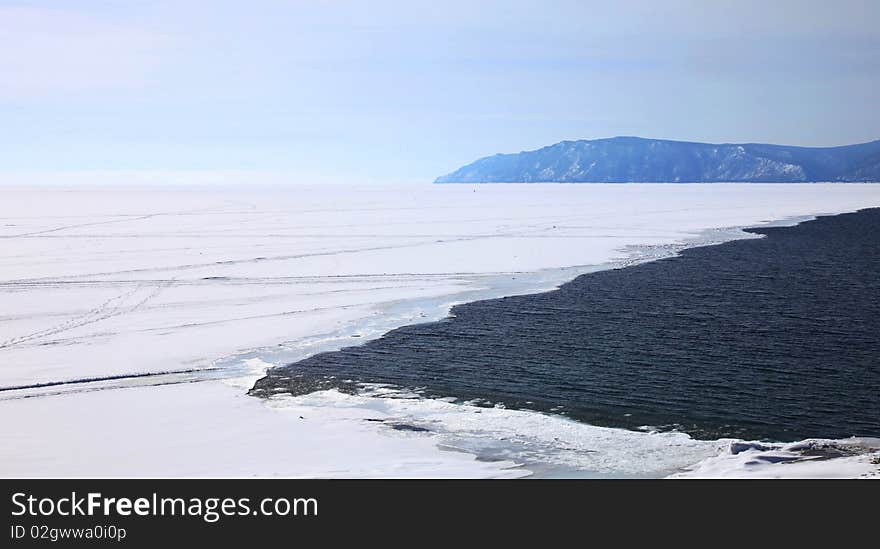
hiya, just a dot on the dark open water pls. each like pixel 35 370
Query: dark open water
pixel 773 338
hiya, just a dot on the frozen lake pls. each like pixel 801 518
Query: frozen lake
pixel 133 320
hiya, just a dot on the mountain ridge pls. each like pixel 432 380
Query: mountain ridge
pixel 630 159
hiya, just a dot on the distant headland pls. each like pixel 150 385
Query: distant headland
pixel 639 160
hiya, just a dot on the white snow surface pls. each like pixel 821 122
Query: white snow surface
pixel 203 288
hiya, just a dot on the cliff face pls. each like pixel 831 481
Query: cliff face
pixel 633 159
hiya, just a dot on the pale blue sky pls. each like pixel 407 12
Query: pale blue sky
pixel 373 91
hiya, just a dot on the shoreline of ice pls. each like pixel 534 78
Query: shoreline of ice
pixel 562 454
pixel 725 458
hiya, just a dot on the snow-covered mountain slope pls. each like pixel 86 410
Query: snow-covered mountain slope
pixel 634 159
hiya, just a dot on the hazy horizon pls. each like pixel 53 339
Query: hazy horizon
pixel 392 91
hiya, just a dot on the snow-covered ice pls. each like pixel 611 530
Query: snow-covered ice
pixel 202 288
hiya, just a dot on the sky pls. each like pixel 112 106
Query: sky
pixel 381 91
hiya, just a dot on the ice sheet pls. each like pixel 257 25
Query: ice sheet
pixel 101 282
